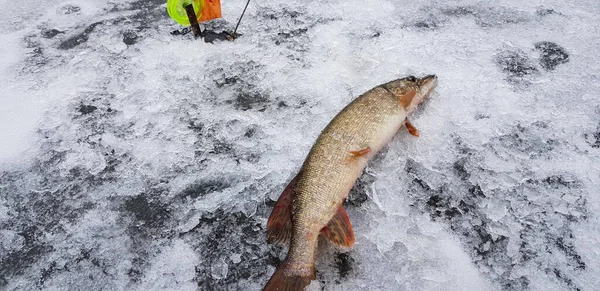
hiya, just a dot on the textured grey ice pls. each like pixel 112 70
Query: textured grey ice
pixel 134 159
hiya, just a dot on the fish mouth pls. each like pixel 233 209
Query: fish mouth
pixel 427 83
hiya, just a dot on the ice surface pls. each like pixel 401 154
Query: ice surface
pixel 134 159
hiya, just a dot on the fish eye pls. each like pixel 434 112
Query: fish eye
pixel 411 78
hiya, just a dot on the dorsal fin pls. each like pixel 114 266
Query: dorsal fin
pixel 407 98
pixel 279 225
pixel 339 229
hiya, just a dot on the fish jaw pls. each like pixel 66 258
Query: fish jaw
pixel 424 88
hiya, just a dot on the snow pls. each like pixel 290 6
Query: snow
pixel 134 159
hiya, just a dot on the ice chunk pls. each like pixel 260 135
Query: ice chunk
pixel 172 268
pixel 496 209
pixel 236 258
pixel 219 269
pixel 10 241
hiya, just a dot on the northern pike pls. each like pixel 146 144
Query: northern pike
pixel 311 204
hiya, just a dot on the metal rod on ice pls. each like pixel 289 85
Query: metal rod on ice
pixel 189 9
pixel 240 20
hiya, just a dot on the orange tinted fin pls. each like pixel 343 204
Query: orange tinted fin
pixel 280 281
pixel 339 229
pixel 279 225
pixel 407 98
pixel 361 153
pixel 411 128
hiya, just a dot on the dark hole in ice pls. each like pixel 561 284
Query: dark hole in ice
pixel 344 264
pixel 130 37
pixel 196 126
pixel 460 170
pixel 87 109
pixel 435 201
pixel 250 100
pixel 250 132
pixel 552 55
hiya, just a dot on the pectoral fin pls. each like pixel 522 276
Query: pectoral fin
pixel 411 128
pixel 279 225
pixel 339 229
pixel 407 98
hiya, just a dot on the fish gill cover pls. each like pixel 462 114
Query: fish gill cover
pixel 133 159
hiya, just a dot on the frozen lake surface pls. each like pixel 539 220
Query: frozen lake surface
pixel 134 159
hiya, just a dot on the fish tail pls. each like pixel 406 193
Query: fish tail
pixel 290 281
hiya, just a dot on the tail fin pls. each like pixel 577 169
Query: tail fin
pixel 296 281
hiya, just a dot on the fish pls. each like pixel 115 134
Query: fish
pixel 311 204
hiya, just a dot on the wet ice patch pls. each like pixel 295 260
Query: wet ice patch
pixel 521 68
pixel 551 54
pixel 438 16
pixel 517 66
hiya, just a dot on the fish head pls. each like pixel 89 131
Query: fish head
pixel 422 88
